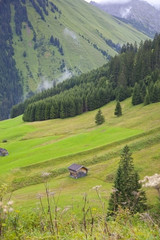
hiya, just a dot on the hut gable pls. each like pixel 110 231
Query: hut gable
pixel 77 171
pixel 3 152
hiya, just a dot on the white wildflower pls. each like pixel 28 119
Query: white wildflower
pixel 10 203
pixel 97 187
pixel 10 209
pixel 39 196
pixel 151 181
pixel 5 210
pixel 66 209
pixel 46 174
pixel 51 193
pixel 58 209
pixel 114 190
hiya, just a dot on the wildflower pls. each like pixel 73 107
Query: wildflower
pixel 66 209
pixel 134 193
pixel 58 209
pixel 94 209
pixel 10 209
pixel 151 181
pixel 46 174
pixel 10 203
pixel 5 210
pixel 51 193
pixel 39 196
pixel 114 190
pixel 97 187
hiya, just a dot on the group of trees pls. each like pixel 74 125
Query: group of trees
pixel 56 43
pixel 70 103
pixel 138 68
pixel 133 72
pixel 100 119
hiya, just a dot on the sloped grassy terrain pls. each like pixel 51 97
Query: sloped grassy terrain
pixel 82 31
pixel 51 146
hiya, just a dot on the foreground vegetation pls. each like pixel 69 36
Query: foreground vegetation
pixel 48 221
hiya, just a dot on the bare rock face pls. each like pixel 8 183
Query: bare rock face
pixel 140 14
pixel 3 152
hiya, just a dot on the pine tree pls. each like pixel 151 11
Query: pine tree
pixel 127 189
pixel 136 98
pixel 99 118
pixel 118 109
pixel 147 99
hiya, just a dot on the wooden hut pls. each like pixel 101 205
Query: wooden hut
pixel 3 152
pixel 77 171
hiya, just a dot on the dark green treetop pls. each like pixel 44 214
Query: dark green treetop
pixel 99 118
pixel 118 109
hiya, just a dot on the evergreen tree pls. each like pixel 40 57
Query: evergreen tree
pixel 127 189
pixel 99 118
pixel 147 99
pixel 136 98
pixel 118 109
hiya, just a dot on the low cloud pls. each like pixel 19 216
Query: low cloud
pixel 67 74
pixel 70 33
pixel 46 84
pixel 125 12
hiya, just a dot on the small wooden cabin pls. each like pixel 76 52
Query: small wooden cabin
pixel 3 152
pixel 77 171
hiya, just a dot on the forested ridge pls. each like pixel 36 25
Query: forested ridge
pixel 134 72
pixel 10 81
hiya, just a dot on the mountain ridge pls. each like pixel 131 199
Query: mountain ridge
pixel 140 14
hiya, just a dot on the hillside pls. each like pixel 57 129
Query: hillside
pixel 36 149
pixel 133 72
pixel 49 41
pixel 53 145
pixel 140 14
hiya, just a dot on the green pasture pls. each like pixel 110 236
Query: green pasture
pixel 51 146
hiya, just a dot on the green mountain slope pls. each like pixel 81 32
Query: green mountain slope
pixel 43 42
pixel 51 146
pixel 81 30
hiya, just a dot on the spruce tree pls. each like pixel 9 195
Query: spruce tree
pixel 127 191
pixel 136 98
pixel 118 109
pixel 99 118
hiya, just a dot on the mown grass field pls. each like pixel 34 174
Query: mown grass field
pixel 51 146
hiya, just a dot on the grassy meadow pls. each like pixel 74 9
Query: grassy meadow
pixel 51 146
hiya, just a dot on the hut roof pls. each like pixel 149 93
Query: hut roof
pixel 75 167
pixel 3 152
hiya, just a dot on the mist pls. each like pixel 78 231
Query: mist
pixel 46 83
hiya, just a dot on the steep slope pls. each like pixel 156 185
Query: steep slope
pixel 52 40
pixel 77 26
pixel 138 13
